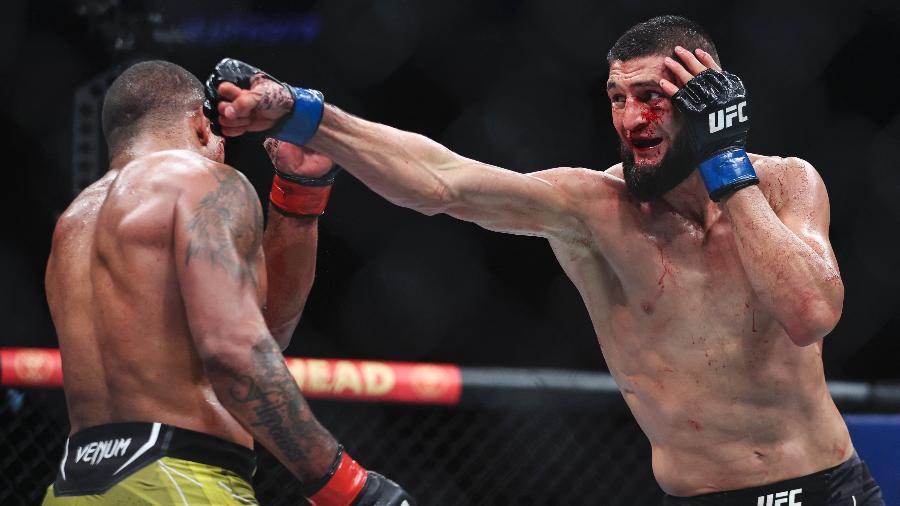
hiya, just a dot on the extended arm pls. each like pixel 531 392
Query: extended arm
pixel 406 168
pixel 787 256
pixel 413 171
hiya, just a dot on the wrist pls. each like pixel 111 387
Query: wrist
pixel 727 172
pixel 302 122
pixel 341 485
pixel 301 196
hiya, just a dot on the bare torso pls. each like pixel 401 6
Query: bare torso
pixel 726 399
pixel 127 351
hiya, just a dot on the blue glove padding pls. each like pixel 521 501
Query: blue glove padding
pixel 299 126
pixel 727 172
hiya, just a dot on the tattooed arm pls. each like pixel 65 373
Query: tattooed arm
pixel 218 254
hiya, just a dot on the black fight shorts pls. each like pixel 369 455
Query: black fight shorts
pixel 848 484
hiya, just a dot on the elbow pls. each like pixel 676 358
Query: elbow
pixel 282 329
pixel 816 321
pixel 284 333
pixel 226 357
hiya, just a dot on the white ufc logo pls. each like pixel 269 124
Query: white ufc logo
pixel 787 498
pixel 724 118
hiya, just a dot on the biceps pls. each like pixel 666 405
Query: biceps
pixel 506 201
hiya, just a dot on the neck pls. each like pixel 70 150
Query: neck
pixel 145 145
pixel 691 200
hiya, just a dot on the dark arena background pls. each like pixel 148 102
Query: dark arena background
pixel 515 83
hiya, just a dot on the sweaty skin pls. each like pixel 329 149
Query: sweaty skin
pixel 156 282
pixel 128 353
pixel 710 316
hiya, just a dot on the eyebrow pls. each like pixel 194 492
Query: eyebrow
pixel 640 84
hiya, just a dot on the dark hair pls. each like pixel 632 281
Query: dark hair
pixel 150 94
pixel 659 36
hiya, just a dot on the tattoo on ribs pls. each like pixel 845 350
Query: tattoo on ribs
pixel 278 407
pixel 226 228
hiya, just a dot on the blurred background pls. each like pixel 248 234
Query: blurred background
pixel 516 83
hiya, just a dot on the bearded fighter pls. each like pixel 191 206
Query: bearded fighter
pixel 707 271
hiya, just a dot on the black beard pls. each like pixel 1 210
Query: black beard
pixel 650 182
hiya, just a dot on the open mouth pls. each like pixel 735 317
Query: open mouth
pixel 645 143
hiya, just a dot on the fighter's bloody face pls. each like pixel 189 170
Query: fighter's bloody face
pixel 642 114
pixel 654 156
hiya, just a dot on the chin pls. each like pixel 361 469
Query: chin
pixel 648 163
pixel 653 173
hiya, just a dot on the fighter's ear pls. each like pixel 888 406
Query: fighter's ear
pixel 201 126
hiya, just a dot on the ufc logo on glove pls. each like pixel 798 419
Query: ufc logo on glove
pixel 723 118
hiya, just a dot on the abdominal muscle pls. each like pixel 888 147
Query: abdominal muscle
pixel 726 415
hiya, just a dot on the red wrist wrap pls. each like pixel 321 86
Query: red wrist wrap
pixel 298 199
pixel 343 487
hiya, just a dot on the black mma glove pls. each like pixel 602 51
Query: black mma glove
pixel 715 106
pixel 380 491
pixel 297 127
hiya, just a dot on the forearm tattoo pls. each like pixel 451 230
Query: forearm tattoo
pixel 269 400
pixel 226 227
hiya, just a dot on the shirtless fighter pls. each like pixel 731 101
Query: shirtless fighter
pixel 707 271
pixel 158 287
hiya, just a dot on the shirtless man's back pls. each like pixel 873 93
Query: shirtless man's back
pixel 156 283
pixel 128 352
pixel 707 272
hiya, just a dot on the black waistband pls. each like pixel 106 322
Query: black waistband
pixel 97 457
pixel 812 489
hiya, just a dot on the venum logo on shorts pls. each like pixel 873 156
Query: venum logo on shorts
pixel 97 451
pixel 788 498
pixel 724 118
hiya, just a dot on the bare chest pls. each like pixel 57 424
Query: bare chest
pixel 665 281
pixel 681 272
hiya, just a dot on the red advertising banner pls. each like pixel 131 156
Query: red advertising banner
pixel 30 367
pixel 322 378
pixel 377 381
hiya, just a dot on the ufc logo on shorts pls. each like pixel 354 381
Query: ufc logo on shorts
pixel 788 498
pixel 724 118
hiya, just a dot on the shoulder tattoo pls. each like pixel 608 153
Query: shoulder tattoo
pixel 226 227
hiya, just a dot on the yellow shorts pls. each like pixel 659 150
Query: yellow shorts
pixel 151 464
